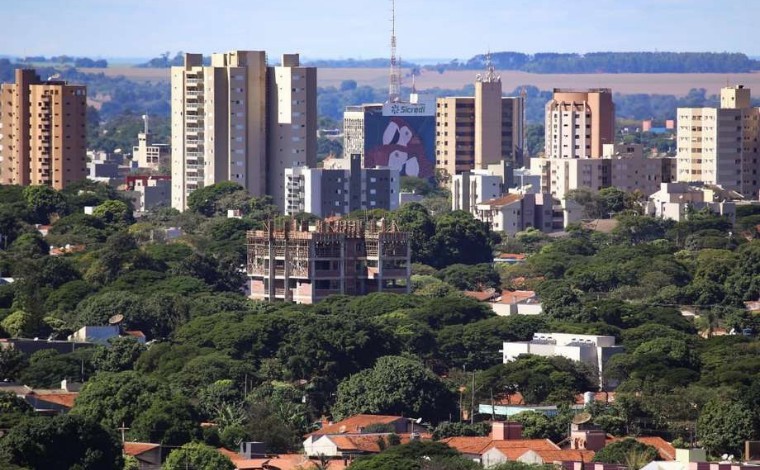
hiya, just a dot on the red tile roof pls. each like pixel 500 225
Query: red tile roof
pixel 135 333
pixel 479 295
pixel 355 424
pixel 531 444
pixel 137 448
pixel 569 455
pixel 468 445
pixel 64 399
pixel 513 297
pixel 515 256
pixel 509 447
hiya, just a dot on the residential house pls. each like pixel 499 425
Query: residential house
pixel 675 200
pixel 148 455
pixel 518 302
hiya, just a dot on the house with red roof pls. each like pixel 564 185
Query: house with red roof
pixel 148 455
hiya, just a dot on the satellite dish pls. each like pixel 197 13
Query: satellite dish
pixel 418 420
pixel 724 457
pixel 116 319
pixel 582 418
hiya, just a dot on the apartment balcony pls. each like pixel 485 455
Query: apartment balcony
pixel 193 142
pixel 194 93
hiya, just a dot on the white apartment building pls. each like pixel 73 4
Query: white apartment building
pixel 237 120
pixel 590 349
pixel 470 188
pixel 720 145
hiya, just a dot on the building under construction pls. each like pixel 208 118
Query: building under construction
pixel 296 263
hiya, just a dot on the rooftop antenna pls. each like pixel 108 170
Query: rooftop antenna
pixel 394 88
pixel 414 85
pixel 145 119
pixel 490 75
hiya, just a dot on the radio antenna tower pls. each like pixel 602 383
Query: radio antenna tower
pixel 394 88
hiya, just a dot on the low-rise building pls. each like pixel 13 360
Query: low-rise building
pixel 590 349
pixel 622 166
pixel 514 213
pixel 676 200
pixel 302 264
pixel 329 192
pixel 149 155
pixel 150 191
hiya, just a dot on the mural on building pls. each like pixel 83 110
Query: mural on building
pixel 402 138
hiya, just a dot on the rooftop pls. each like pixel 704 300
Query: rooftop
pixel 355 424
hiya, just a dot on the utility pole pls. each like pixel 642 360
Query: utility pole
pixel 472 402
pixel 123 429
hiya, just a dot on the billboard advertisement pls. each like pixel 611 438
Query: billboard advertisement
pixel 401 136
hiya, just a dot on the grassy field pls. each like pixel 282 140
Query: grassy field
pixel 627 83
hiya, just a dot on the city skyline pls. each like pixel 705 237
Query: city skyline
pixel 361 30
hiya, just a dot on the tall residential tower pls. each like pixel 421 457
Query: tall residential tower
pixel 720 145
pixel 475 132
pixel 42 131
pixel 238 120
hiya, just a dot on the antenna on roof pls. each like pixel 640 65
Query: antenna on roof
pixel 116 319
pixel 394 88
pixel 582 418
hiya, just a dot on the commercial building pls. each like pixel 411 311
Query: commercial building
pixel 622 166
pixel 325 192
pixel 590 349
pixel 720 145
pixel 579 123
pixel 238 120
pixel 397 135
pixel 304 265
pixel 474 132
pixel 42 131
pixel 149 155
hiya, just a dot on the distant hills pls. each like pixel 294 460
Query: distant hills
pixel 593 62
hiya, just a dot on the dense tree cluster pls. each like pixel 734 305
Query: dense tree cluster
pixel 266 371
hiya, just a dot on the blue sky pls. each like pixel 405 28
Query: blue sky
pixel 360 28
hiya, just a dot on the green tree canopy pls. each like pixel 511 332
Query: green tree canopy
pixel 61 443
pixel 197 455
pixel 396 385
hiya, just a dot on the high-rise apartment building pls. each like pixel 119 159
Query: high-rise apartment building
pixel 42 131
pixel 579 123
pixel 720 145
pixel 238 120
pixel 328 192
pixel 292 118
pixel 474 132
pixel 219 123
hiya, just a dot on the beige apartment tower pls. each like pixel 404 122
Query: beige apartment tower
pixel 292 129
pixel 720 145
pixel 218 123
pixel 241 121
pixel 42 131
pixel 475 132
pixel 579 123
